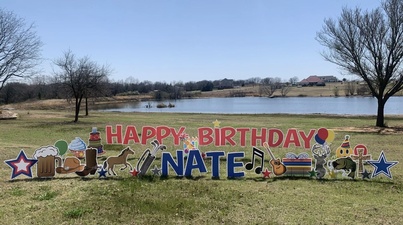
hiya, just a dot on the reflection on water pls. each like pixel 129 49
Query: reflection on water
pixel 258 105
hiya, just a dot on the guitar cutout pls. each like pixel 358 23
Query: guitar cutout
pixel 259 153
pixel 277 166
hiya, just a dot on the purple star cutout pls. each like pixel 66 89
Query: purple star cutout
pixel 21 165
pixel 382 166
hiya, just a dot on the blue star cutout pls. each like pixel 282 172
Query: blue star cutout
pixel 156 171
pixel 366 174
pixel 382 166
pixel 102 172
pixel 21 165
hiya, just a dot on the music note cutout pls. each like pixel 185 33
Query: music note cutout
pixel 259 153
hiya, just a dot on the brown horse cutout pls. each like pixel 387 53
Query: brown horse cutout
pixel 111 161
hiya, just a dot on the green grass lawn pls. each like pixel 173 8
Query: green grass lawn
pixel 69 199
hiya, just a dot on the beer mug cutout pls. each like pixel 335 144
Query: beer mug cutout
pixel 47 157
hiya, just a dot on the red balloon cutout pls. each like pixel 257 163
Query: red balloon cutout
pixel 323 133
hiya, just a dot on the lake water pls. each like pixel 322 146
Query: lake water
pixel 258 105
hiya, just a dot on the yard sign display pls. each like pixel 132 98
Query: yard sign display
pixel 186 158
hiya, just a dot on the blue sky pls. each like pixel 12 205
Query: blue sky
pixel 187 40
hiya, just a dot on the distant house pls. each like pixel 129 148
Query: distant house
pixel 329 79
pixel 312 81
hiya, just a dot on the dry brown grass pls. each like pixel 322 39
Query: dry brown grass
pixel 314 91
pixel 379 130
pixel 6 114
pixel 57 104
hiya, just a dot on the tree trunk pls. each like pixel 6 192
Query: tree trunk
pixel 86 106
pixel 380 117
pixel 78 103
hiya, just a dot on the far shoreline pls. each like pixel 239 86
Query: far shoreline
pixel 248 91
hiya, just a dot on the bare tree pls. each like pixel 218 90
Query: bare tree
pixel 336 91
pixel 350 88
pixel 131 80
pixel 267 86
pixel 294 80
pixel 96 83
pixel 362 89
pixel 369 44
pixel 285 89
pixel 19 48
pixel 254 80
pixel 80 77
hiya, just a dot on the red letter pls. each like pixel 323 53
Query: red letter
pixel 162 133
pixel 177 134
pixel 227 137
pixel 131 134
pixel 205 133
pixel 292 137
pixel 307 139
pixel 271 137
pixel 217 137
pixel 242 135
pixel 147 133
pixel 256 137
pixel 110 135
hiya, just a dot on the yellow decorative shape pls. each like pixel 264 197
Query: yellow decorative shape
pixel 216 123
pixel 344 150
pixel 332 174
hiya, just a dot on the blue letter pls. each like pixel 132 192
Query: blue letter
pixel 215 163
pixel 195 155
pixel 167 159
pixel 231 164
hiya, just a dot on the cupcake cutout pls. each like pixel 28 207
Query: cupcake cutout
pixel 78 147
